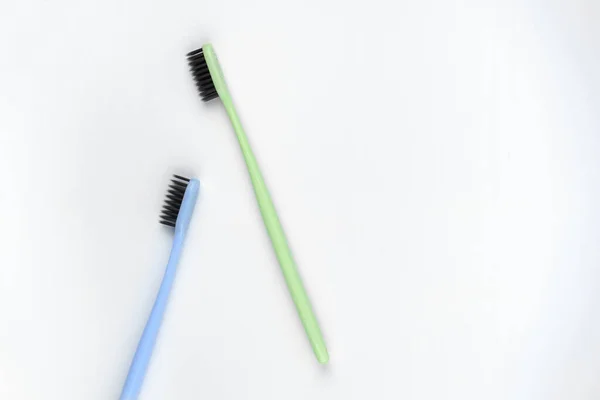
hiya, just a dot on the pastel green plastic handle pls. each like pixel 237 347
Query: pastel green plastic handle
pixel 270 218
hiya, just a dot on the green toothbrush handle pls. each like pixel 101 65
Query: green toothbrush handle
pixel 270 218
pixel 279 241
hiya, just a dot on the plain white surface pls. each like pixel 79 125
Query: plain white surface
pixel 434 163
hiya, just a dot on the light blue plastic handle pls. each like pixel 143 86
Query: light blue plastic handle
pixel 141 359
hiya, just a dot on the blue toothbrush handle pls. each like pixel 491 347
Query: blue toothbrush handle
pixel 142 356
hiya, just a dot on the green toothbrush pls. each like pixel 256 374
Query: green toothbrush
pixel 210 82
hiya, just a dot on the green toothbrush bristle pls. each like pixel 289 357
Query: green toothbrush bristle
pixel 201 74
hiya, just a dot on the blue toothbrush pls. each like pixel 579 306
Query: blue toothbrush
pixel 176 213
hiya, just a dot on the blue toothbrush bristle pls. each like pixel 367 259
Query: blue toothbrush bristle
pixel 173 200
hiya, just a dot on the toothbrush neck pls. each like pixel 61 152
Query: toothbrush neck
pixel 180 231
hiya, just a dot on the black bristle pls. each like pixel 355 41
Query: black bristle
pixel 176 190
pixel 201 75
pixel 177 183
pixel 170 208
pixel 173 200
pixel 181 178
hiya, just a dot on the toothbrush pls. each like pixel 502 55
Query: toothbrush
pixel 210 82
pixel 176 213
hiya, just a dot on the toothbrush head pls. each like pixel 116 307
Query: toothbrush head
pixel 179 202
pixel 207 73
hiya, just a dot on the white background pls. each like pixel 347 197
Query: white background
pixel 435 164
